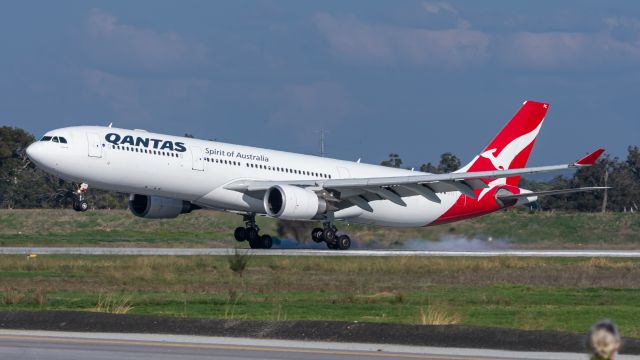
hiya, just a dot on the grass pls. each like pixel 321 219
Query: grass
pixel 215 229
pixel 526 293
pixel 113 304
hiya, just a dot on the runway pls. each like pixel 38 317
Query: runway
pixel 314 252
pixel 36 345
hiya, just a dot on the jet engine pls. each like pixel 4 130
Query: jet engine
pixel 290 202
pixel 156 207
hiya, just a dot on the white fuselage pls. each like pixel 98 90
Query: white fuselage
pixel 197 171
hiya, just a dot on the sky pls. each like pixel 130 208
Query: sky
pixel 417 78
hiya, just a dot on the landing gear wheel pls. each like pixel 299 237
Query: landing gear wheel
pixel 344 242
pixel 332 246
pixel 329 235
pixel 316 235
pixel 255 243
pixel 252 235
pixel 240 234
pixel 81 205
pixel 266 241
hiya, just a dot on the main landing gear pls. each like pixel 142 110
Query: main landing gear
pixel 79 201
pixel 328 234
pixel 251 233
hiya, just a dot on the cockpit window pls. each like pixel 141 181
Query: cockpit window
pixel 46 138
pixel 62 140
pixel 55 139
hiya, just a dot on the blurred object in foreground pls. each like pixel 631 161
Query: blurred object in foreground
pixel 603 341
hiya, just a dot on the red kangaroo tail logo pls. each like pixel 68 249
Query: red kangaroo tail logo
pixel 510 149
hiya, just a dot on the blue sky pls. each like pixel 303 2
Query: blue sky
pixel 413 77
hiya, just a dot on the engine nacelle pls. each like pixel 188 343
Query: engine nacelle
pixel 290 202
pixel 156 207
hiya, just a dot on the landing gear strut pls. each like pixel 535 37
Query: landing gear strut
pixel 328 234
pixel 79 202
pixel 251 233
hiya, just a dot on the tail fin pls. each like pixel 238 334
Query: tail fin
pixel 510 149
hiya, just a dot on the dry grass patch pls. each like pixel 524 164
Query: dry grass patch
pixel 12 296
pixel 113 304
pixel 438 314
pixel 39 296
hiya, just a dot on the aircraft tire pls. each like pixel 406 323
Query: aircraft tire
pixel 255 243
pixel 240 234
pixel 316 235
pixel 266 241
pixel 252 234
pixel 344 242
pixel 83 205
pixel 329 235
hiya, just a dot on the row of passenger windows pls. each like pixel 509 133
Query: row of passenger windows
pixel 55 139
pixel 144 151
pixel 223 161
pixel 289 171
pixel 268 167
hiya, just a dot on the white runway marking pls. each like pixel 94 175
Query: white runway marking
pixel 315 252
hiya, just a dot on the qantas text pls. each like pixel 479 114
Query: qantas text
pixel 117 139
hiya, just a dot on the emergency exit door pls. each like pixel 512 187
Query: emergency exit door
pixel 95 146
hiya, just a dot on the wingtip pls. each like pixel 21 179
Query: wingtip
pixel 591 158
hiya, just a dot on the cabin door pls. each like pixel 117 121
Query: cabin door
pixel 95 146
pixel 197 159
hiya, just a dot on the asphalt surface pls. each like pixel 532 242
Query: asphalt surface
pixel 315 252
pixel 32 345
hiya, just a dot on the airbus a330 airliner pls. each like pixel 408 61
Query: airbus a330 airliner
pixel 169 175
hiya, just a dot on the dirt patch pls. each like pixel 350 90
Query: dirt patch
pixel 420 335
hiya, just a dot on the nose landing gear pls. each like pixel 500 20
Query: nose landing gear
pixel 328 234
pixel 251 233
pixel 80 203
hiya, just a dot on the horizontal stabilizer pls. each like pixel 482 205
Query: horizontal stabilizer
pixel 549 192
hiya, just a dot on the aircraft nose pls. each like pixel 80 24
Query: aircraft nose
pixel 34 152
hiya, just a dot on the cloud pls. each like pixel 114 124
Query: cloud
pixel 141 100
pixel 306 108
pixel 114 44
pixel 436 7
pixel 358 42
pixel 617 45
pixel 355 41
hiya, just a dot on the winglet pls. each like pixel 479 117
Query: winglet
pixel 590 159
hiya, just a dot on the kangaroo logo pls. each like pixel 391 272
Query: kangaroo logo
pixel 504 159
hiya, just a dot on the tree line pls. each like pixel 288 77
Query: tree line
pixel 22 185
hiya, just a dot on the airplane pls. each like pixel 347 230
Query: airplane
pixel 171 175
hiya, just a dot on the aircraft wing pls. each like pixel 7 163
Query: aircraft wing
pixel 361 190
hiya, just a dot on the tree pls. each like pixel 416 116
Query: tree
pixel 448 163
pixel 394 161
